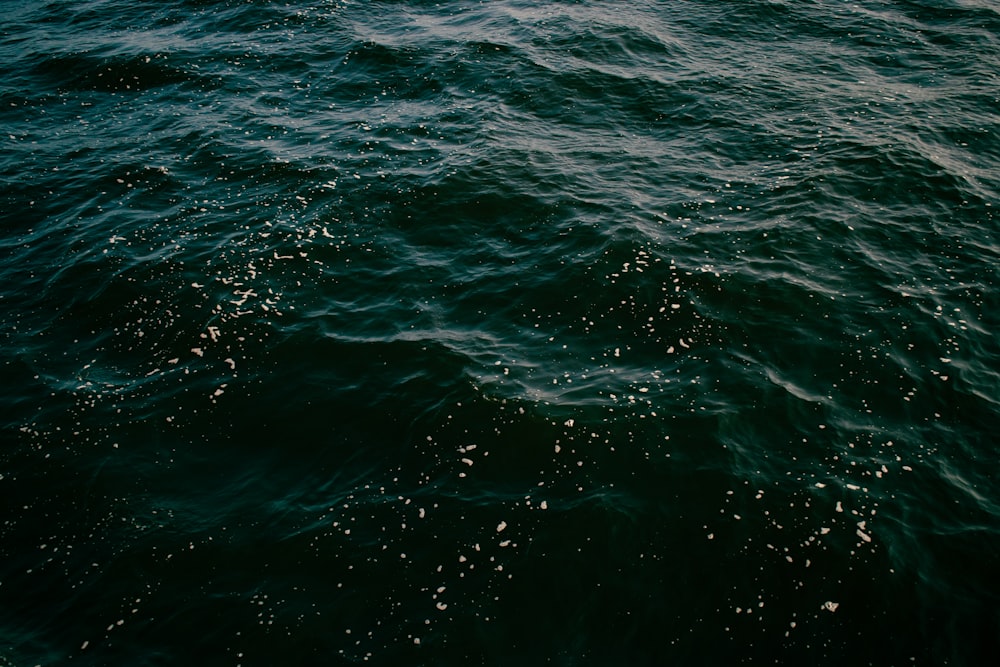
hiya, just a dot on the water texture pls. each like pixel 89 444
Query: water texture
pixel 501 333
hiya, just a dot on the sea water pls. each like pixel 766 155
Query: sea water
pixel 506 333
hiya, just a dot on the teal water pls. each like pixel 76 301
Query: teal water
pixel 502 333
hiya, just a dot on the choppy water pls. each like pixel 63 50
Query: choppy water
pixel 574 333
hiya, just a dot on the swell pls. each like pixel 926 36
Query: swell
pixel 114 74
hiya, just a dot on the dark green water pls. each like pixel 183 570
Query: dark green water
pixel 503 333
